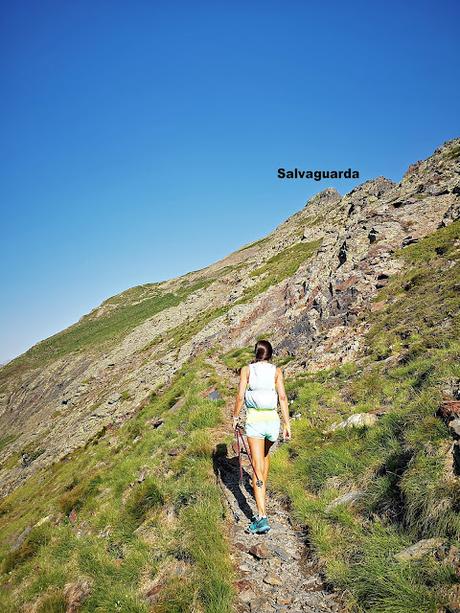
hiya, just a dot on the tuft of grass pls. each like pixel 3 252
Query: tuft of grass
pixel 37 537
pixel 53 602
pixel 144 497
pixel 6 439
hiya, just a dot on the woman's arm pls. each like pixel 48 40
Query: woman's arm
pixel 244 378
pixel 279 383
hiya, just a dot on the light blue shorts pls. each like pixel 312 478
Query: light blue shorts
pixel 262 423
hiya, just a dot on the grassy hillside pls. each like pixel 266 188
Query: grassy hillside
pixel 121 315
pixel 137 507
pixel 402 466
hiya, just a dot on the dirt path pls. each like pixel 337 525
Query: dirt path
pixel 277 572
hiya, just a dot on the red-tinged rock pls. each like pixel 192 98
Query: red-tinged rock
pixel 341 286
pixel 152 593
pixel 73 516
pixel 450 408
pixel 260 551
pixel 243 585
pixel 75 594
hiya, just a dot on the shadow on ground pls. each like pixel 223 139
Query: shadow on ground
pixel 227 471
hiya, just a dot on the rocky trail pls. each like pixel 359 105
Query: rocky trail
pixel 276 571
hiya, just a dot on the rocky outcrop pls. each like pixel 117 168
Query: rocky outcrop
pixel 316 315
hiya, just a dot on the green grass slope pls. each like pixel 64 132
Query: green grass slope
pixel 123 313
pixel 402 466
pixel 122 532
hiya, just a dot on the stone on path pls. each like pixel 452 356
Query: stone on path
pixel 260 551
pixel 281 553
pixel 272 580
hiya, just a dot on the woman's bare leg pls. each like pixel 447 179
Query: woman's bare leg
pixel 257 448
pixel 267 446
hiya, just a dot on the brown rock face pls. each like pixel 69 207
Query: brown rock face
pixel 55 397
pixel 75 594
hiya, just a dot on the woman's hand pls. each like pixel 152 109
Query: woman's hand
pixel 234 421
pixel 287 432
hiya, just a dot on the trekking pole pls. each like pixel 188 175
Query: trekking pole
pixel 239 436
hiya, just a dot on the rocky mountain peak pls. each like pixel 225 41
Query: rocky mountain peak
pixel 326 197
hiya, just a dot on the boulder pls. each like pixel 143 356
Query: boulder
pixel 419 549
pixel 349 498
pixel 455 426
pixel 260 551
pixel 75 594
pixel 358 420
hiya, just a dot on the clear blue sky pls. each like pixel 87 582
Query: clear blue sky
pixel 140 140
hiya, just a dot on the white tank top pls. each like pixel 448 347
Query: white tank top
pixel 261 392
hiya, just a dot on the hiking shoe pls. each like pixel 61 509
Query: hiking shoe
pixel 258 526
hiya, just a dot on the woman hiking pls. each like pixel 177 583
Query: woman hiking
pixel 265 384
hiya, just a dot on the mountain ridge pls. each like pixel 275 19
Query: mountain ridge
pixel 308 285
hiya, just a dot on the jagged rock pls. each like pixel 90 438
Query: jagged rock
pixel 43 520
pixel 282 553
pixel 114 398
pixel 328 196
pixel 453 599
pixel 272 580
pixel 143 474
pixel 156 423
pixel 455 426
pixel 372 236
pixel 358 420
pixel 343 253
pixel 349 498
pixel 75 594
pixel 260 551
pixel 177 405
pixel 449 408
pixel 452 558
pixel 419 549
pixel 21 538
pixel 409 241
pixel 26 460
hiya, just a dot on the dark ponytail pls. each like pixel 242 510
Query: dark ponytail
pixel 263 351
